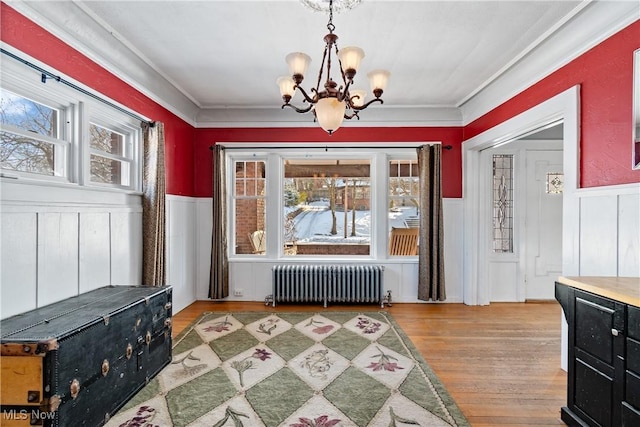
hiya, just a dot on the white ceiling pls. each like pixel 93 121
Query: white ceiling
pixel 227 55
pixel 230 53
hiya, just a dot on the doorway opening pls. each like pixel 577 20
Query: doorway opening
pixel 522 216
pixel 562 108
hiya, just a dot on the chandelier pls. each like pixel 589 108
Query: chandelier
pixel 331 104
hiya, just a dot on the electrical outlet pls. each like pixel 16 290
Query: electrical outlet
pixel 237 293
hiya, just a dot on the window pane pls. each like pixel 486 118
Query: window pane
pixel 327 207
pixel 503 203
pixel 28 115
pixel 109 171
pixel 250 178
pixel 106 140
pixel 555 183
pixel 250 207
pixel 24 154
pixel 404 206
pixel 251 235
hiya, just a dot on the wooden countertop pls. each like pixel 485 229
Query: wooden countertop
pixel 623 289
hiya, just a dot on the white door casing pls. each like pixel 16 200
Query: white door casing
pixel 565 107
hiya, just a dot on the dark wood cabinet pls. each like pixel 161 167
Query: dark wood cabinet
pixel 631 401
pixel 603 359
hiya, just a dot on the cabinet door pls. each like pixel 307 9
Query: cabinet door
pixel 596 345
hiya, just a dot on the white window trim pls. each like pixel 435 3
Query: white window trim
pixel 131 131
pixel 76 110
pixel 231 158
pixel 379 160
pixel 20 86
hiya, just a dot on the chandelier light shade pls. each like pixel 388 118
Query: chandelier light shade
pixel 330 113
pixel 378 80
pixel 298 63
pixel 334 101
pixel 350 58
pixel 287 87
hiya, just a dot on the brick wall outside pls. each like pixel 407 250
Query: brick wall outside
pixel 250 213
pixel 328 249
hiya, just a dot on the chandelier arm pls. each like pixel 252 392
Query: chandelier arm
pixel 362 107
pixel 349 117
pixel 343 94
pixel 307 97
pixel 344 78
pixel 324 57
pixel 298 110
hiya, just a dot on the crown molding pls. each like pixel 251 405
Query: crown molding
pixel 592 25
pixel 375 117
pixel 69 22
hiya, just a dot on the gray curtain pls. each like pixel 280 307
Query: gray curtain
pixel 431 253
pixel 153 205
pixel 219 276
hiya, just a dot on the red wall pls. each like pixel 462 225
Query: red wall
pixel 451 159
pixel 33 40
pixel 605 74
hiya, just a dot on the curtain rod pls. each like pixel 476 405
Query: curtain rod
pixel 48 75
pixel 326 148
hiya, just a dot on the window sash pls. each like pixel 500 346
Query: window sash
pixel 59 161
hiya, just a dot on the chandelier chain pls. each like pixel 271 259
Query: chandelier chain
pixel 330 25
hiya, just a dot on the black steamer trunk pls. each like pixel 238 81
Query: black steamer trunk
pixel 77 361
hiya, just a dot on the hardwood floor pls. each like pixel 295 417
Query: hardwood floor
pixel 501 363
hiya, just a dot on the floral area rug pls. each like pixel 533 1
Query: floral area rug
pixel 329 369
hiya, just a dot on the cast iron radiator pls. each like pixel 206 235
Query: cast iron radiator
pixel 328 283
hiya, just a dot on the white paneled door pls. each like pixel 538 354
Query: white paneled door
pixel 543 224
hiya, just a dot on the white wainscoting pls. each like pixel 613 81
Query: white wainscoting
pixel 182 232
pixel 252 276
pixel 61 241
pixel 204 221
pixel 605 238
pixel 57 242
pixel 609 242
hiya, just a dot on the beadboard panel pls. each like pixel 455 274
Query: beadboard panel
pixel 94 249
pixel 126 247
pixel 204 221
pixel 629 237
pixel 452 210
pixel 610 231
pixel 18 262
pixel 58 242
pixel 58 256
pixel 181 249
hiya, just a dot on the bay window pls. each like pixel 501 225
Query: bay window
pixel 318 202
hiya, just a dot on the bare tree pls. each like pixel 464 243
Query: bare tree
pixel 405 187
pixel 104 169
pixel 22 153
pixel 332 206
pixel 353 210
